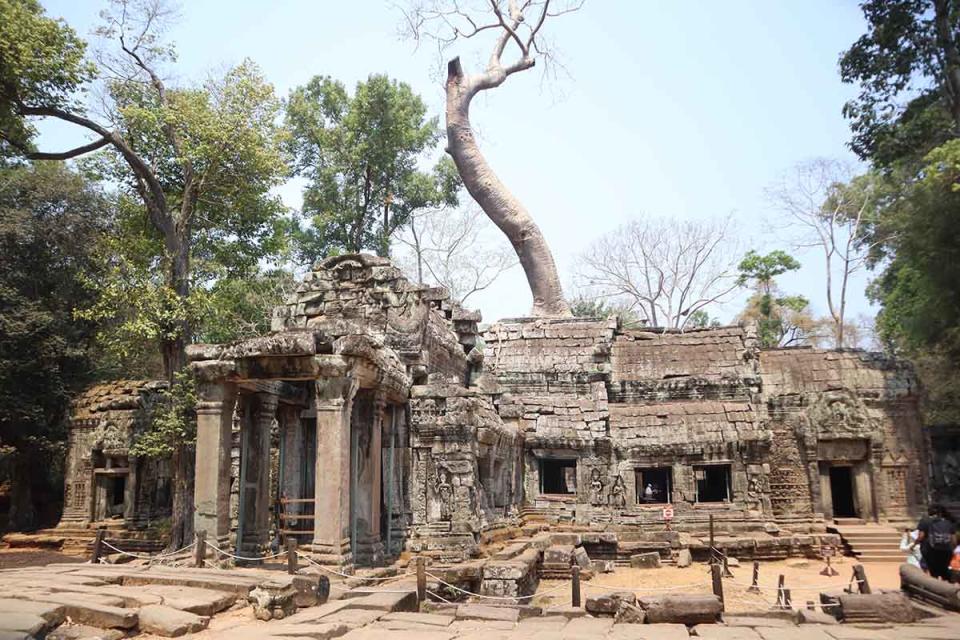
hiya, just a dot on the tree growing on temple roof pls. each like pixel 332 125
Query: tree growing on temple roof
pixel 781 320
pixel 192 168
pixel 360 154
pixel 516 28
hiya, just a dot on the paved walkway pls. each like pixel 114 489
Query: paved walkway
pixel 77 602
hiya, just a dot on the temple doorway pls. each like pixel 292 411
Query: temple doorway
pixel 841 492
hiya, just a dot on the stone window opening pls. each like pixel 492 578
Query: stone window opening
pixel 712 483
pixel 558 477
pixel 654 485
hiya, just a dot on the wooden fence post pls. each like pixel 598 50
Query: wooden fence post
pixel 421 579
pixel 200 549
pixel 716 572
pixel 98 545
pixel 575 585
pixel 291 555
pixel 755 585
pixel 780 592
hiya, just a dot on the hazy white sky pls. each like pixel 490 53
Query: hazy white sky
pixel 682 110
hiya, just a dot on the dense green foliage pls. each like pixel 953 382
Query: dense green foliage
pixel 780 320
pixel 360 155
pixel 41 63
pixel 50 222
pixel 906 123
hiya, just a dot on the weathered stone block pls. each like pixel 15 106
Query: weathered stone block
pixel 645 561
pixel 311 589
pixel 609 603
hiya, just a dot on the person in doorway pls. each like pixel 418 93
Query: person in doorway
pixel 648 493
pixel 909 544
pixel 937 539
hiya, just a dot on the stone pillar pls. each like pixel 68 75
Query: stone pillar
pixel 130 493
pixel 380 414
pixel 291 439
pixel 331 531
pixel 826 493
pixel 863 490
pixel 257 511
pixel 212 477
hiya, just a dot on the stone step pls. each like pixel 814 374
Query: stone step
pixel 881 558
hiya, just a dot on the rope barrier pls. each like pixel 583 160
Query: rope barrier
pixel 439 597
pixel 509 598
pixel 807 588
pixel 147 557
pixel 254 559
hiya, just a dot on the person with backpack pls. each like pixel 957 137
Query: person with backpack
pixel 937 541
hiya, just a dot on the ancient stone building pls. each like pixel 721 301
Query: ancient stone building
pixel 104 484
pixel 377 416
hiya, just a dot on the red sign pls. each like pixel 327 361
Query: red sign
pixel 668 513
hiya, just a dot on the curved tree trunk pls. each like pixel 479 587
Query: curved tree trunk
pixel 496 200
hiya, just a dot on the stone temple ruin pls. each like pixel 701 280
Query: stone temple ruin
pixel 378 417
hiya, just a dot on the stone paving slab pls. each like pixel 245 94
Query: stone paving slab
pixel 169 622
pixel 844 632
pixel 589 628
pixel 486 612
pixel 49 611
pixel 721 632
pixel 806 632
pixel 15 635
pixel 88 610
pixel 648 632
pixel 432 619
pixel 377 634
pixel 387 601
pixel 462 626
pixel 353 618
pixel 312 614
pixel 317 631
pixel 29 623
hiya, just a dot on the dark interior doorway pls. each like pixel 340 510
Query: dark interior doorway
pixel 841 492
pixel 653 485
pixel 558 477
pixel 713 483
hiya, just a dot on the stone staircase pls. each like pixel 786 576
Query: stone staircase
pixel 869 542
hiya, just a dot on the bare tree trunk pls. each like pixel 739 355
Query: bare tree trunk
pixel 496 200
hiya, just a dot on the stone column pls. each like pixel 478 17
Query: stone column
pixel 826 494
pixel 291 439
pixel 258 466
pixel 331 531
pixel 376 474
pixel 212 477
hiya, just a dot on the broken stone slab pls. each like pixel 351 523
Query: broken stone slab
pixel 29 623
pixel 558 554
pixel 757 621
pixel 566 612
pixel 589 628
pixel 86 610
pixel 882 607
pixel 49 611
pixel 314 614
pixel 608 604
pixel 84 632
pixel 487 612
pixel 203 602
pixel 354 617
pixel 430 619
pixel 419 634
pixel 582 559
pixel 388 601
pixel 649 560
pixel 682 609
pixel 684 559
pixel 811 616
pixel 169 622
pixel 630 614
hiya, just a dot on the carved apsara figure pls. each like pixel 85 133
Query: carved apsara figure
pixel 444 494
pixel 618 493
pixel 596 488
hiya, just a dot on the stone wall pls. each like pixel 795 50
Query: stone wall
pixel 103 423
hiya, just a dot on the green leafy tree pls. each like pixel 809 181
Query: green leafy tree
pixel 50 221
pixel 193 167
pixel 781 320
pixel 361 156
pixel 907 67
pixel 586 306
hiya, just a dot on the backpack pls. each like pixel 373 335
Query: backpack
pixel 941 535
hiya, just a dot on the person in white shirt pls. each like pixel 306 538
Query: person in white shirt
pixel 908 543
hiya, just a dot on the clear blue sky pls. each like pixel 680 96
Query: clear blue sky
pixel 685 110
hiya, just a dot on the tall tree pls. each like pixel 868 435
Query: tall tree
pixel 51 220
pixel 197 162
pixel 665 271
pixel 516 27
pixel 360 154
pixel 907 66
pixel 829 208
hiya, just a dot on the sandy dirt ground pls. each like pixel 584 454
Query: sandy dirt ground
pixel 13 558
pixel 801 577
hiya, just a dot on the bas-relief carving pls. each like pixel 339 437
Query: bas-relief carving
pixel 596 488
pixel 618 493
